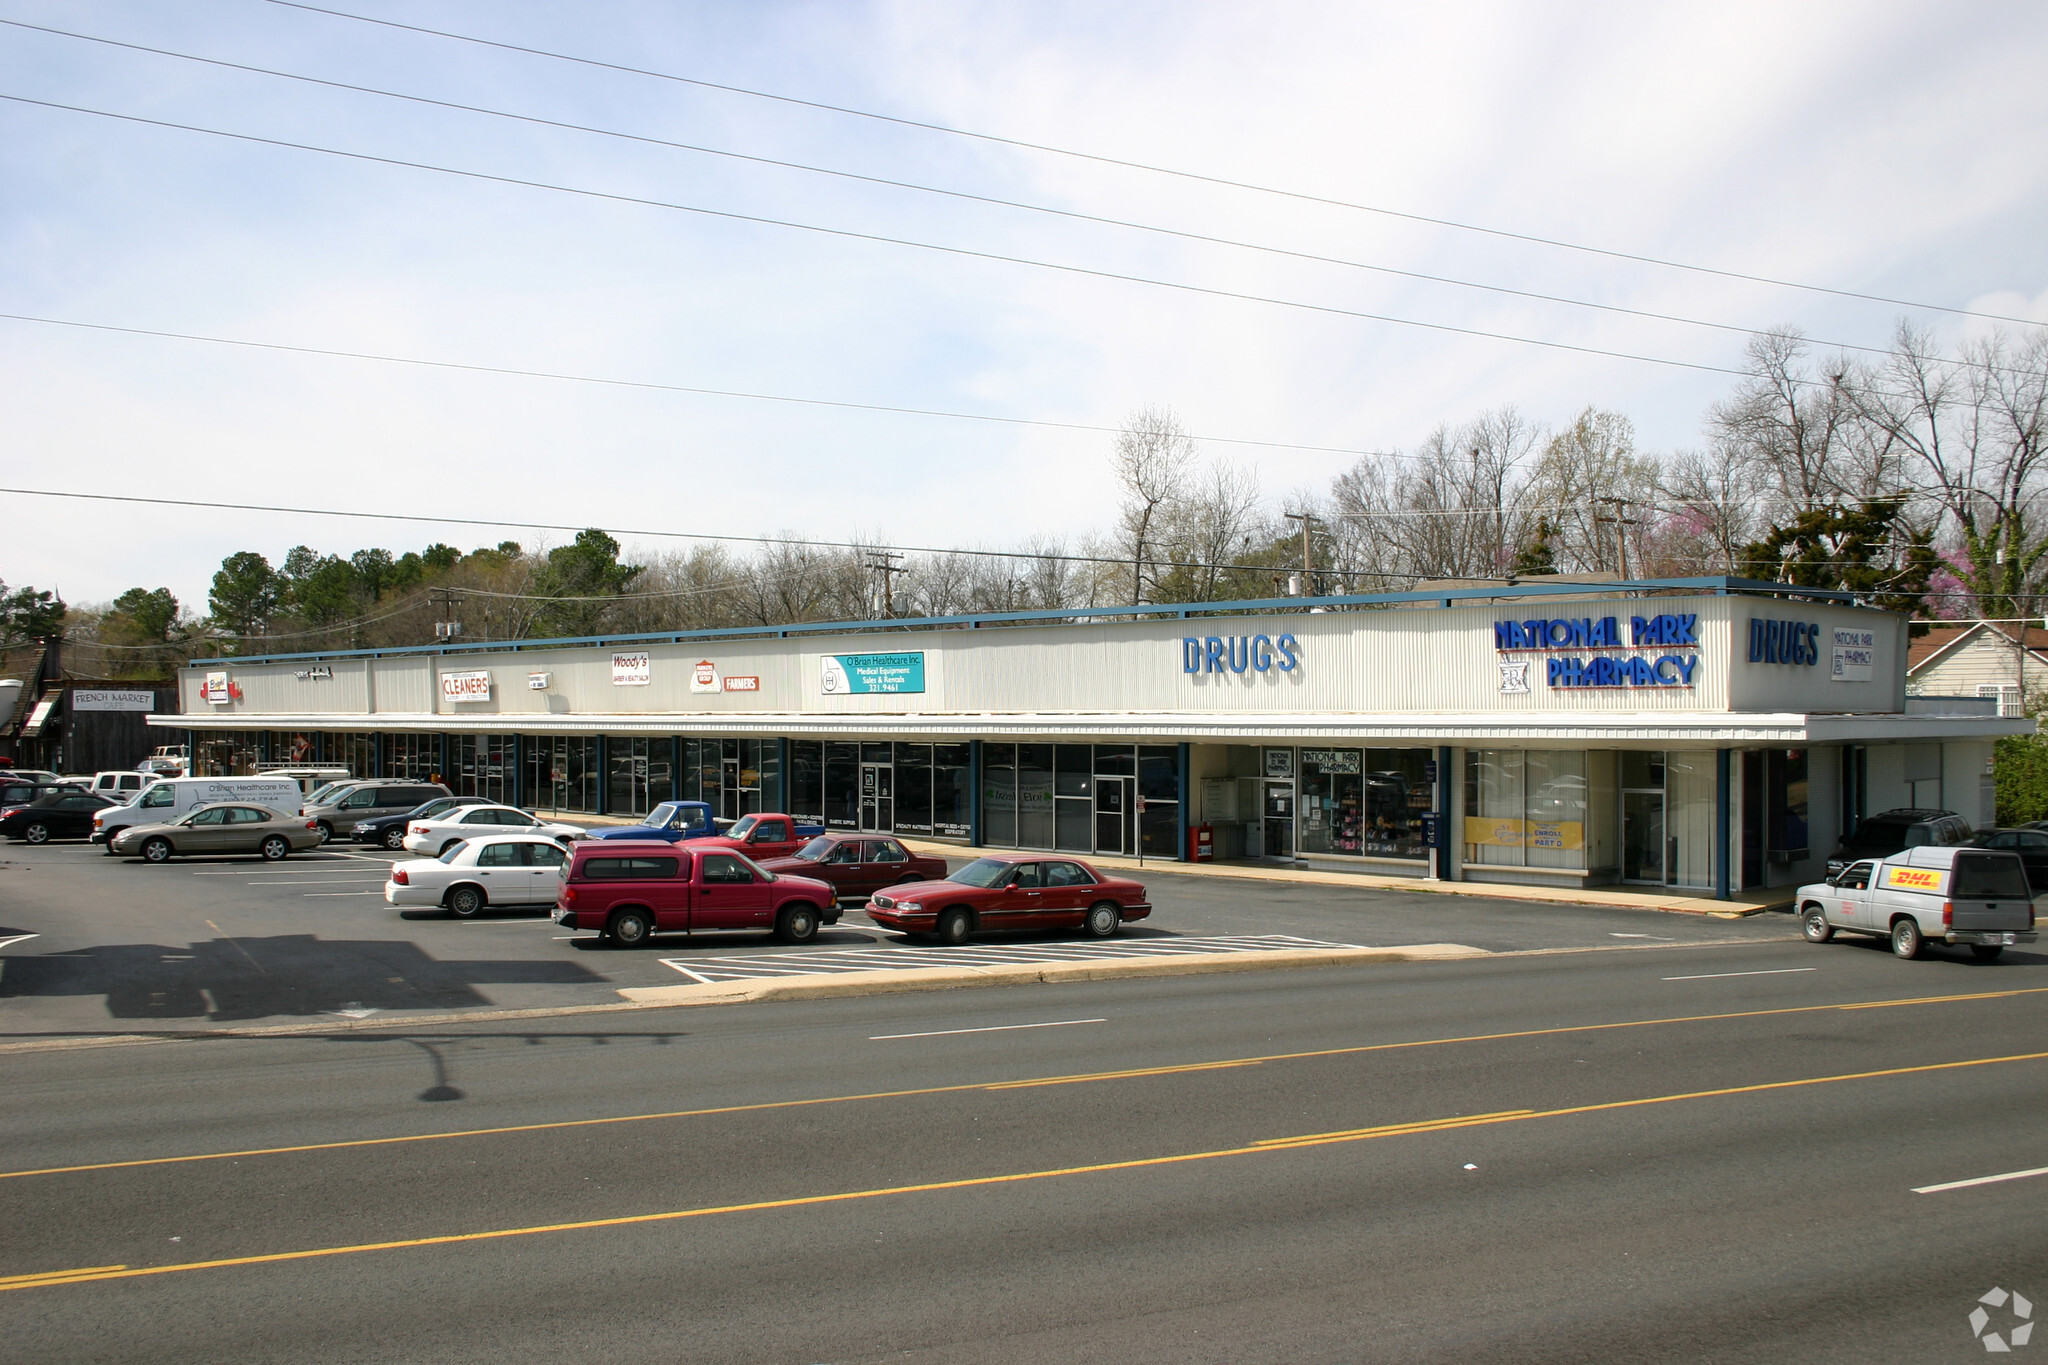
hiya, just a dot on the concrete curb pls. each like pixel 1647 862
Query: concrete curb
pixel 952 978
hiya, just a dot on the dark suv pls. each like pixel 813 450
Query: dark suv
pixel 1891 831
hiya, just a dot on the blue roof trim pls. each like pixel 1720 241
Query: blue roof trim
pixel 1530 588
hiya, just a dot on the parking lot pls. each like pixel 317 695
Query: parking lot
pixel 90 943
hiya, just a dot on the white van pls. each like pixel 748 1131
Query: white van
pixel 172 797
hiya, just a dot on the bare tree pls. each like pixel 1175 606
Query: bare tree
pixel 1595 491
pixel 1153 460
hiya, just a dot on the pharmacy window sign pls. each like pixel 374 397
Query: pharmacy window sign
pixel 857 674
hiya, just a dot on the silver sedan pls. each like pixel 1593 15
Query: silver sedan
pixel 222 827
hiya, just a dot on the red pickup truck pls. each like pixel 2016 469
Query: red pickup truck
pixel 762 836
pixel 630 890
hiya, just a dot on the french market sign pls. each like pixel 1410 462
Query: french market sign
pixel 83 699
pixel 853 674
pixel 1631 665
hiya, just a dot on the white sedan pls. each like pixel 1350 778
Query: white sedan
pixel 501 870
pixel 433 837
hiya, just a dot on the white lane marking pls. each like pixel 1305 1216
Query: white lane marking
pixel 1711 976
pixel 299 871
pixel 18 938
pixel 995 1028
pixel 1980 1180
pixel 1659 937
pixel 327 881
pixel 330 895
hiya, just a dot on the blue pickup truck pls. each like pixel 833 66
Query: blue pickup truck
pixel 759 836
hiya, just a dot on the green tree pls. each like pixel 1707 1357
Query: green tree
pixel 1536 558
pixel 438 558
pixel 245 594
pixel 586 568
pixel 141 616
pixel 2020 773
pixel 1869 550
pixel 376 571
pixel 30 614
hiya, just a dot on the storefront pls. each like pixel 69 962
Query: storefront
pixel 1709 734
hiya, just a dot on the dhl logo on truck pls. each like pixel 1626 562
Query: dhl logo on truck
pixel 1914 878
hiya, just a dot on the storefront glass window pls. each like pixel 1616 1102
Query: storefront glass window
pixel 999 794
pixel 1555 821
pixel 1034 795
pixel 842 786
pixel 1074 814
pixel 628 759
pixel 914 788
pixel 806 800
pixel 1330 806
pixel 562 773
pixel 1493 807
pixel 352 750
pixel 1159 785
pixel 951 790
pixel 482 766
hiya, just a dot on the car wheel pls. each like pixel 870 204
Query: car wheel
pixel 37 834
pixel 326 832
pixel 445 847
pixel 1816 926
pixel 1985 952
pixel 630 929
pixel 1906 939
pixel 465 901
pixel 157 851
pixel 954 927
pixel 276 848
pixel 1104 919
pixel 394 838
pixel 797 924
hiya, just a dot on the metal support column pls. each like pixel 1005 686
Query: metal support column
pixel 604 775
pixel 1180 845
pixel 781 800
pixel 675 768
pixel 974 830
pixel 377 754
pixel 519 772
pixel 441 764
pixel 1446 783
pixel 1723 808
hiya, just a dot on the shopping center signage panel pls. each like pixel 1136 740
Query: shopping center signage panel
pixel 1632 664
pixel 471 686
pixel 1239 653
pixel 856 674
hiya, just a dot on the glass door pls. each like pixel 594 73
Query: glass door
pixel 877 797
pixel 729 789
pixel 1279 809
pixel 1113 811
pixel 1642 837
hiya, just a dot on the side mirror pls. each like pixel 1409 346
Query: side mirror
pixel 1009 886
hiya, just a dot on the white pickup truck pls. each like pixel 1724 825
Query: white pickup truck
pixel 1972 896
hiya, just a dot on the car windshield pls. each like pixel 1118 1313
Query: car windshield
pixel 982 872
pixel 433 807
pixel 453 851
pixel 744 827
pixel 323 791
pixel 659 817
pixel 816 851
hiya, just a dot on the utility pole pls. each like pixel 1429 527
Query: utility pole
pixel 1307 520
pixel 883 562
pixel 443 601
pixel 1621 525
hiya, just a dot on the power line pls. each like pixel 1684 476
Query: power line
pixel 517 373
pixel 1330 310
pixel 992 200
pixel 862 546
pixel 1124 164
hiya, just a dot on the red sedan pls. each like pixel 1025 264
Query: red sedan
pixel 857 865
pixel 1013 891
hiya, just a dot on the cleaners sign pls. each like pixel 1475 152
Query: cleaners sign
pixel 1658 651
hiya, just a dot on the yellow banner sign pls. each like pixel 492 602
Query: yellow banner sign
pixel 1509 833
pixel 1914 878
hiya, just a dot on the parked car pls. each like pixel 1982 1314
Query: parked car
pixel 123 787
pixel 1888 832
pixel 20 791
pixel 1006 891
pixel 2030 844
pixel 766 835
pixel 484 872
pixel 629 891
pixel 167 800
pixel 669 822
pixel 389 830
pixel 436 834
pixel 311 777
pixel 1978 897
pixel 53 815
pixel 223 827
pixel 338 812
pixel 30 775
pixel 858 865
pixel 170 759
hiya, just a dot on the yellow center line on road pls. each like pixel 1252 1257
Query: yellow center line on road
pixel 1265 1147
pixel 971 1086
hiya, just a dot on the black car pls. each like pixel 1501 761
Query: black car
pixel 20 791
pixel 62 814
pixel 2031 843
pixel 389 830
pixel 1892 831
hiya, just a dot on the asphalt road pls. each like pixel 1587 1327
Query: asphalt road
pixel 96 944
pixel 1707 1153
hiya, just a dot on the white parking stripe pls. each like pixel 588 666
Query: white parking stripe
pixel 323 881
pixel 827 962
pixel 993 1028
pixel 1980 1180
pixel 316 895
pixel 1712 976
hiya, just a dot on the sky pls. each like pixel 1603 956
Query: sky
pixel 1896 150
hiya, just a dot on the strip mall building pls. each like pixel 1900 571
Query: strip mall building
pixel 1708 733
